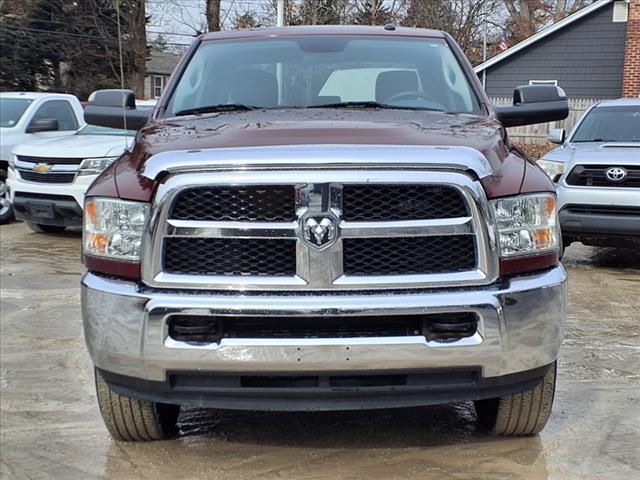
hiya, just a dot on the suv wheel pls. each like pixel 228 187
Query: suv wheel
pixel 40 228
pixel 524 413
pixel 132 420
pixel 6 211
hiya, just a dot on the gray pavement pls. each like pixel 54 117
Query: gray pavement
pixel 50 426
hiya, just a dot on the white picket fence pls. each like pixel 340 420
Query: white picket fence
pixel 537 134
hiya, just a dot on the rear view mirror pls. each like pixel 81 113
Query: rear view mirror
pixel 534 104
pixel 556 135
pixel 115 109
pixel 43 125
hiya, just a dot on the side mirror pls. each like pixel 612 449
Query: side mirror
pixel 115 109
pixel 556 135
pixel 534 104
pixel 43 125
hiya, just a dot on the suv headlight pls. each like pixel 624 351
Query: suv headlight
pixel 93 166
pixel 527 224
pixel 113 228
pixel 553 169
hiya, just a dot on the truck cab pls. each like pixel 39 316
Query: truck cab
pixel 322 218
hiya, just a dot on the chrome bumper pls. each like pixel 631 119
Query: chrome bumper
pixel 521 325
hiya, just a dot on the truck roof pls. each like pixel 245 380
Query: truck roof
pixel 620 102
pixel 324 30
pixel 35 95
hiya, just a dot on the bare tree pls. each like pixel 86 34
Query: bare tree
pixel 213 15
pixel 526 17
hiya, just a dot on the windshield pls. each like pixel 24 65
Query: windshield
pixel 298 72
pixel 95 130
pixel 11 109
pixel 610 124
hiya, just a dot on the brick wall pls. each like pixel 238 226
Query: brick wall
pixel 631 75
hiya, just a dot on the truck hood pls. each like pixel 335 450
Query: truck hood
pixel 324 126
pixel 596 153
pixel 76 146
pixel 164 144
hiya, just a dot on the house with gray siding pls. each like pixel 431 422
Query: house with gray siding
pixel 592 54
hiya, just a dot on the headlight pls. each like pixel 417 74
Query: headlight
pixel 553 169
pixel 12 161
pixel 527 224
pixel 93 166
pixel 113 228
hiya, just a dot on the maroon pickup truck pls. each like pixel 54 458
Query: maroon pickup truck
pixel 323 218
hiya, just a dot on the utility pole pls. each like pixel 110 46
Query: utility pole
pixel 280 12
pixel 484 42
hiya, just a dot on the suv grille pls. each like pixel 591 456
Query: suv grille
pixel 595 176
pixel 366 203
pixel 46 177
pixel 50 161
pixel 252 204
pixel 229 256
pixel 409 256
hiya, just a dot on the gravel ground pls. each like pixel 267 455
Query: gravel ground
pixel 51 427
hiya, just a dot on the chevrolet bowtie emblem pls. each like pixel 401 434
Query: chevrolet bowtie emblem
pixel 42 167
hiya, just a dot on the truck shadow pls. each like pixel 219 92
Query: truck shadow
pixel 432 442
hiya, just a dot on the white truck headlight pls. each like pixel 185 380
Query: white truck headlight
pixel 93 166
pixel 553 169
pixel 113 228
pixel 527 224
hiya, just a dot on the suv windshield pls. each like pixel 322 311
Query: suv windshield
pixel 11 109
pixel 96 130
pixel 610 124
pixel 299 72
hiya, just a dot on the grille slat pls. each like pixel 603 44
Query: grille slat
pixel 604 210
pixel 229 256
pixel 251 204
pixel 367 203
pixel 46 177
pixel 409 255
pixel 595 176
pixel 50 160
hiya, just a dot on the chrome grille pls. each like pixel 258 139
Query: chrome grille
pixel 250 204
pixel 443 241
pixel 401 202
pixel 409 255
pixel 229 256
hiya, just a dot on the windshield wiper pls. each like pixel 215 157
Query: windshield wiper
pixel 223 107
pixel 371 104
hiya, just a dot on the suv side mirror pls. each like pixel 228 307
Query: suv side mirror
pixel 115 108
pixel 534 104
pixel 43 125
pixel 556 135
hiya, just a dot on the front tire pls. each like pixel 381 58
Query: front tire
pixel 40 228
pixel 133 420
pixel 6 209
pixel 520 414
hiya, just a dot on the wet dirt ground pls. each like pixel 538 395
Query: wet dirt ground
pixel 51 428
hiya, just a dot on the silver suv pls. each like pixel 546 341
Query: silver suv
pixel 597 175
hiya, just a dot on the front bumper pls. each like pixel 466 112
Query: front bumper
pixel 598 212
pixel 49 204
pixel 520 329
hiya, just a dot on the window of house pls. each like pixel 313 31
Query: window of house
pixel 158 85
pixel 620 11
pixel 59 110
pixel 543 82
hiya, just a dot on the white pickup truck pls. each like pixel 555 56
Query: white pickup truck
pixel 29 116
